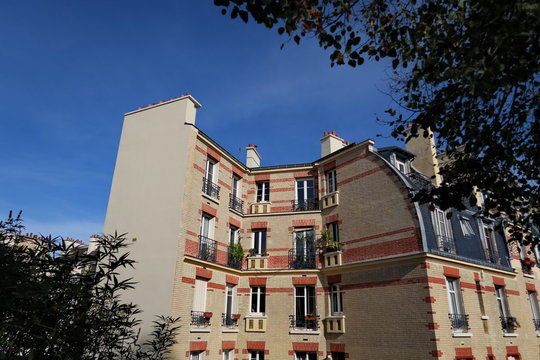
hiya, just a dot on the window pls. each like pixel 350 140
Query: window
pixel 533 300
pixel 336 300
pixel 331 184
pixel 256 355
pixel 207 226
pixel 263 191
pixel 305 195
pixel 301 355
pixel 338 355
pixel 233 234
pixel 258 299
pixel 199 304
pixel 458 319
pixel 230 295
pixel 196 355
pixel 210 179
pixel 488 241
pixel 400 165
pixel 466 227
pixel 334 230
pixel 211 173
pixel 207 246
pixel 508 322
pixel 304 241
pixel 236 186
pixel 259 241
pixel 443 231
pixel 304 307
pixel 228 354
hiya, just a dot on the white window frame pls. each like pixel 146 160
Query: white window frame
pixel 533 300
pixel 234 234
pixel 305 189
pixel 488 238
pixel 500 292
pixel 305 355
pixel 467 228
pixel 306 299
pixel 228 354
pixel 401 166
pixel 256 354
pixel 236 186
pixel 262 187
pixel 257 292
pixel 207 232
pixel 199 295
pixel 257 239
pixel 331 181
pixel 455 300
pixel 336 300
pixel 230 295
pixel 334 230
pixel 196 355
pixel 304 240
pixel 442 224
pixel 211 164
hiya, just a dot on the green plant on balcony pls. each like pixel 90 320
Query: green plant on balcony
pixel 252 252
pixel 237 251
pixel 326 242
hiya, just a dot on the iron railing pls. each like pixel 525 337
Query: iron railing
pixel 492 256
pixel 210 189
pixel 509 323
pixel 207 249
pixel 236 203
pixel 302 259
pixel 536 323
pixel 446 244
pixel 304 322
pixel 231 261
pixel 526 267
pixel 459 321
pixel 305 205
pixel 230 320
pixel 199 319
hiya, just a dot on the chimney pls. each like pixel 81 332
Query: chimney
pixel 425 153
pixel 330 142
pixel 253 159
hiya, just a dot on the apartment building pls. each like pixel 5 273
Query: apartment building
pixel 393 280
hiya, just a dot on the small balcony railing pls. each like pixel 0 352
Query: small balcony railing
pixel 236 203
pixel 207 249
pixel 231 261
pixel 459 322
pixel 200 318
pixel 210 189
pixel 527 267
pixel 492 256
pixel 446 244
pixel 419 181
pixel 230 320
pixel 509 324
pixel 302 259
pixel 536 323
pixel 304 322
pixel 305 205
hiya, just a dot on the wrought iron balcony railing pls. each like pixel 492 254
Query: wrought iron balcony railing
pixel 305 205
pixel 446 244
pixel 302 259
pixel 492 256
pixel 230 320
pixel 200 318
pixel 536 324
pixel 419 181
pixel 459 322
pixel 304 322
pixel 207 249
pixel 236 203
pixel 509 324
pixel 210 189
pixel 231 261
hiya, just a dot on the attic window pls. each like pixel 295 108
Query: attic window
pixel 400 165
pixel 466 227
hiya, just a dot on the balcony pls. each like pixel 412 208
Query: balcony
pixel 231 261
pixel 527 266
pixel 509 324
pixel 459 322
pixel 236 204
pixel 302 259
pixel 210 189
pixel 207 249
pixel 446 244
pixel 419 181
pixel 330 200
pixel 536 323
pixel 305 205
pixel 200 318
pixel 492 256
pixel 230 320
pixel 304 322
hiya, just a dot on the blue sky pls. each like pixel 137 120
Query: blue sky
pixel 69 70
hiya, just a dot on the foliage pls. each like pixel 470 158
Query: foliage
pixel 58 302
pixel 237 251
pixel 466 70
pixel 326 242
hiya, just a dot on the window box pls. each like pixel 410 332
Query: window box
pixel 236 316
pixel 207 314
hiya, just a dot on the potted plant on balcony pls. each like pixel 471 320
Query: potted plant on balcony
pixel 207 314
pixel 235 316
pixel 327 244
pixel 252 252
pixel 310 317
pixel 237 251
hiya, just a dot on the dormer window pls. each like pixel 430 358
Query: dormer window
pixel 400 165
